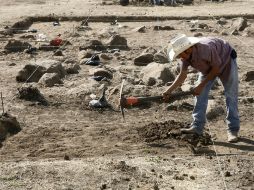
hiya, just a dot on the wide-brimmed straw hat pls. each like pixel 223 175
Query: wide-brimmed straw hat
pixel 179 44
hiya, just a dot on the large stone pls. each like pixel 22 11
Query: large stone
pixel 23 24
pixel 105 56
pixel 222 21
pixel 10 123
pixel 101 72
pixel 141 29
pixel 155 72
pixel 31 93
pixel 118 42
pixel 16 46
pixel 143 59
pixel 249 32
pixel 52 66
pixel 85 54
pixel 248 76
pixel 71 68
pixel 50 79
pixel 164 28
pixel 30 73
pixel 94 45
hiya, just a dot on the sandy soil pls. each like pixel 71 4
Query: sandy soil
pixel 68 145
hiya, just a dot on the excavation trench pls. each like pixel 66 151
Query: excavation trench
pixel 28 21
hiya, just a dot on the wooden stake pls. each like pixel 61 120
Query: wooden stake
pixel 2 103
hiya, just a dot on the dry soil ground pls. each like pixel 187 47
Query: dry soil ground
pixel 67 145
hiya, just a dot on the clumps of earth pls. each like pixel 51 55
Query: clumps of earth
pixel 31 93
pixel 170 130
pixel 8 126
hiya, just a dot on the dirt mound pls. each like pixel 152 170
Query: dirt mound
pixel 8 126
pixel 31 93
pixel 170 130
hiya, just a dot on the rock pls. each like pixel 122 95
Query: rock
pixel 116 54
pixel 214 31
pixel 160 58
pixel 85 54
pixel 186 106
pixel 227 174
pixel 202 26
pixel 234 31
pixel 158 72
pixel 9 123
pixel 224 33
pixel 247 100
pixel 105 56
pixel 117 41
pixel 28 36
pixel 248 76
pixel 222 21
pixel 58 53
pixel 149 50
pixel 11 64
pixel 30 73
pixel 16 46
pixel 143 59
pixel 72 68
pixel 214 110
pixel 66 157
pixel 186 87
pixel 103 186
pixel 192 177
pixel 177 177
pixel 156 186
pixel 94 45
pixel 83 28
pixel 239 24
pixel 249 32
pixel 141 29
pixel 3 134
pixel 50 79
pixel 23 25
pixel 101 72
pixel 31 93
pixel 52 66
pixel 151 81
pixel 163 28
pixel 198 34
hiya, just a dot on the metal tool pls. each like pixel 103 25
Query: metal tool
pixel 126 102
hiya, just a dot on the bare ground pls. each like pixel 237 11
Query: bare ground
pixel 67 145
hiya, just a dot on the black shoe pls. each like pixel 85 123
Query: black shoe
pixel 190 130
